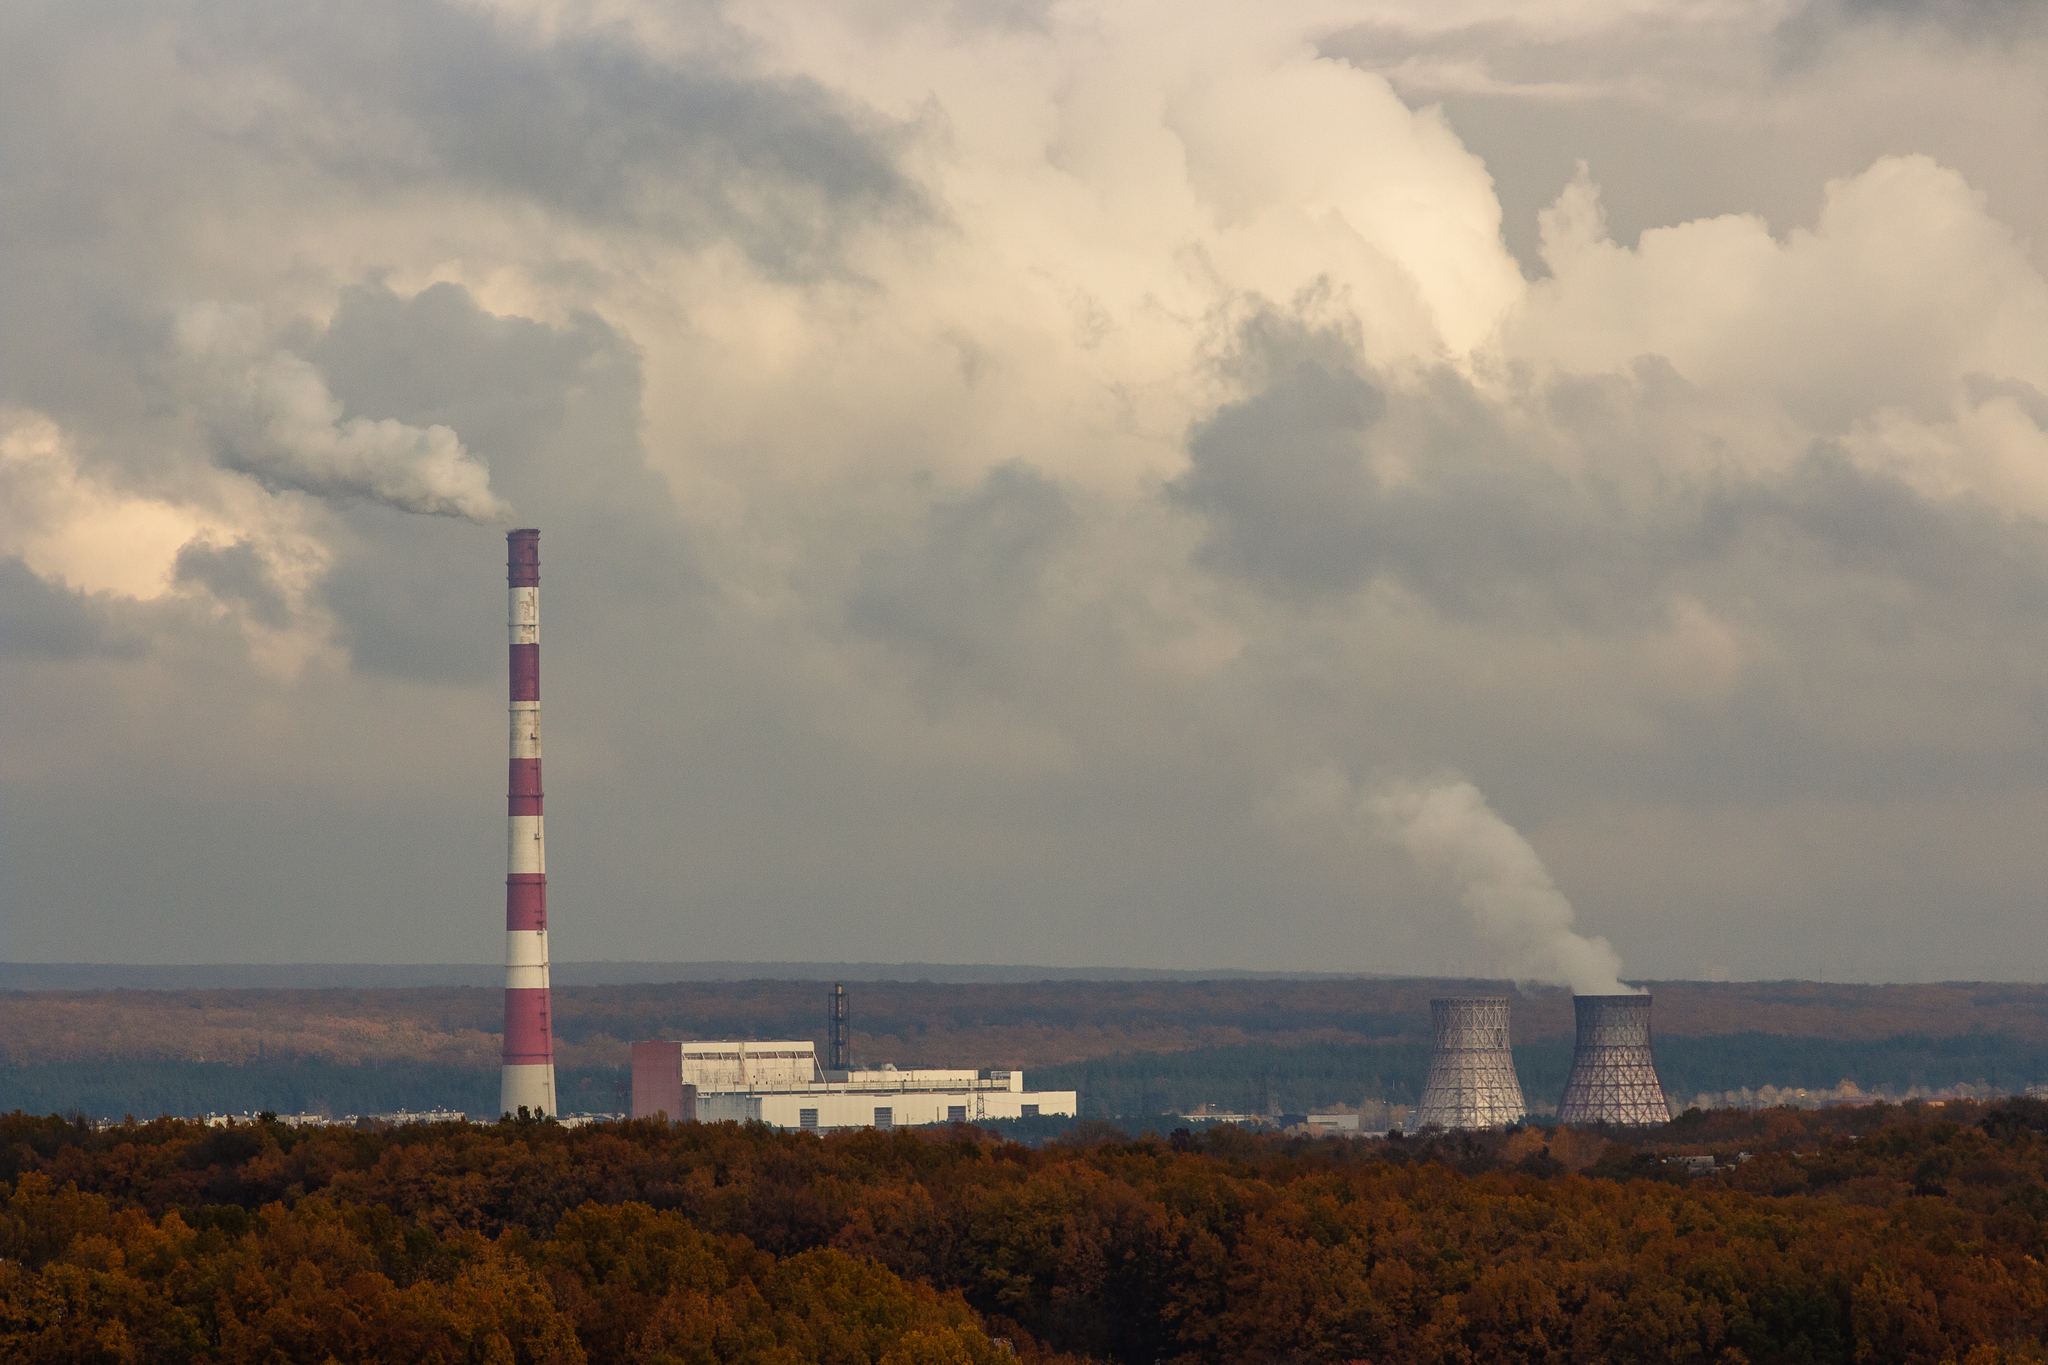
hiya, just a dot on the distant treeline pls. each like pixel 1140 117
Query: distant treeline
pixel 89 976
pixel 1126 1085
pixel 1010 1024
pixel 181 1089
pixel 1313 1076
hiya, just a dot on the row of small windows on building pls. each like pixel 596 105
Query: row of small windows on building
pixel 807 1119
pixel 757 1056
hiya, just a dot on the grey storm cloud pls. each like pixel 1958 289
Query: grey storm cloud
pixel 1983 387
pixel 1286 484
pixel 557 411
pixel 235 574
pixel 1667 102
pixel 1983 20
pixel 1480 520
pixel 955 591
pixel 40 620
pixel 1324 483
pixel 981 455
pixel 440 95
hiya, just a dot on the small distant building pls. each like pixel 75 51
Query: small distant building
pixel 1210 1114
pixel 1334 1124
pixel 781 1083
pixel 422 1116
pixel 306 1120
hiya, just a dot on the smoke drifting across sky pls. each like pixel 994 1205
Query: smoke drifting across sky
pixel 980 448
pixel 1450 831
pixel 1443 825
pixel 272 418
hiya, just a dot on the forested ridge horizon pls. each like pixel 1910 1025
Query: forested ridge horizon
pixel 1128 1047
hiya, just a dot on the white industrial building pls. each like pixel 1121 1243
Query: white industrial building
pixel 781 1083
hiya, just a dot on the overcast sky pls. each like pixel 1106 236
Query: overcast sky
pixel 1017 479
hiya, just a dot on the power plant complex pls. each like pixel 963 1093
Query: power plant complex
pixel 1471 1082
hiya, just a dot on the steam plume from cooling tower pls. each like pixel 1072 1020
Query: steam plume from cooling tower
pixel 1446 826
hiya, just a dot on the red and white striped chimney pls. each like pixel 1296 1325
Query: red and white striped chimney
pixel 529 1080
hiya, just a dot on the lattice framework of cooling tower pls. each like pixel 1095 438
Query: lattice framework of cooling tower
pixel 1472 1081
pixel 1614 1076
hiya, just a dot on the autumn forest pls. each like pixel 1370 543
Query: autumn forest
pixel 1912 1234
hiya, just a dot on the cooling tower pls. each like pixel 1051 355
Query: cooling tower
pixel 1613 1077
pixel 1471 1080
pixel 529 1075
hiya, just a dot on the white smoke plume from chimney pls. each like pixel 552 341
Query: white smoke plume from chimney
pixel 274 420
pixel 1445 825
pixel 1453 835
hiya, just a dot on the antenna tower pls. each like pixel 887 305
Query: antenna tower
pixel 837 1053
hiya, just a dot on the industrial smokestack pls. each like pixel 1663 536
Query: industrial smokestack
pixel 1472 1081
pixel 1613 1077
pixel 529 1076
